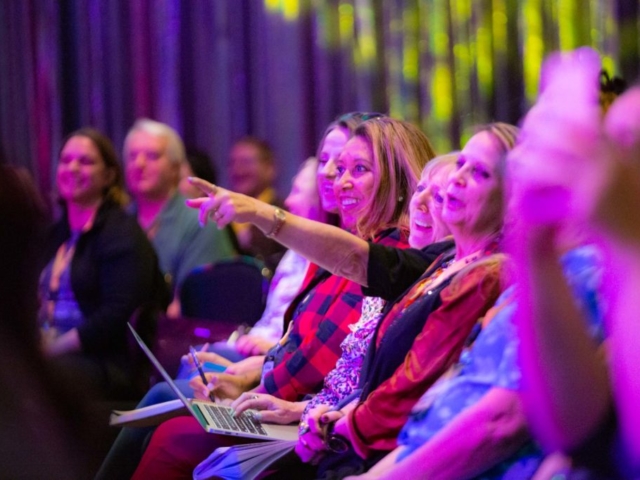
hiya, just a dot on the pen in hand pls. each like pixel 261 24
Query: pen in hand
pixel 196 362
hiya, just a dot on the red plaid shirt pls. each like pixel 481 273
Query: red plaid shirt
pixel 321 315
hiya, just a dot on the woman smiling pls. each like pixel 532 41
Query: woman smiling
pixel 438 311
pixel 100 268
pixel 383 155
pixel 425 327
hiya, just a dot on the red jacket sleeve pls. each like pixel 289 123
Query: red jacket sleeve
pixel 322 328
pixel 376 422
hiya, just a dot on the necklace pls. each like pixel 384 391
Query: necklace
pixel 427 287
pixel 450 267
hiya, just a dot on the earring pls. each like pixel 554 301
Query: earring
pixel 400 198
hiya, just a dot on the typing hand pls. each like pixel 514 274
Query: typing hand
pixel 225 386
pixel 270 409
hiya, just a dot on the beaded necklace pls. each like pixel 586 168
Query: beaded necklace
pixel 451 267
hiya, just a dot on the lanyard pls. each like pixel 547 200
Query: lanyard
pixel 61 263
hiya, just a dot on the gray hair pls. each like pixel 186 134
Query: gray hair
pixel 175 147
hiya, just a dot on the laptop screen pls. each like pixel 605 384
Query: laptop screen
pixel 164 374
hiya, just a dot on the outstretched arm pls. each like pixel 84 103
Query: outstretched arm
pixel 330 247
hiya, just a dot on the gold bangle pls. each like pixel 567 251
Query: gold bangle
pixel 279 218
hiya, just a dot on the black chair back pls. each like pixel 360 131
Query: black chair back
pixel 232 291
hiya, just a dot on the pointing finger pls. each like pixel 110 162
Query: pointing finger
pixel 196 202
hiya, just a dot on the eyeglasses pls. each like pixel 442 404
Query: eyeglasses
pixel 363 116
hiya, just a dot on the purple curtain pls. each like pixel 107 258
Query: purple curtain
pixel 279 69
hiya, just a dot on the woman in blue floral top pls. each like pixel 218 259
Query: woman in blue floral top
pixel 454 412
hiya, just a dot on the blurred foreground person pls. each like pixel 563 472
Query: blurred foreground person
pixel 579 402
pixel 45 433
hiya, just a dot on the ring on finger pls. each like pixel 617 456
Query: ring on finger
pixel 254 397
pixel 304 428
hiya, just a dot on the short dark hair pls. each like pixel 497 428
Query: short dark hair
pixel 265 151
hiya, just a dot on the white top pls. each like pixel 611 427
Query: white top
pixel 285 284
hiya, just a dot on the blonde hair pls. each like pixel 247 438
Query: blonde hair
pixel 439 163
pixel 400 152
pixel 506 135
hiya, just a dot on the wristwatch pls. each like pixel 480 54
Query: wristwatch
pixel 278 221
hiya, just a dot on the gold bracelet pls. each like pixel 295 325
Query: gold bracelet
pixel 279 218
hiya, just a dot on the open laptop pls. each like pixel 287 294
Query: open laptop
pixel 216 418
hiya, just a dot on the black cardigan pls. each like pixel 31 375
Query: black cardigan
pixel 113 272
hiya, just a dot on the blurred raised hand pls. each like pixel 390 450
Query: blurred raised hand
pixel 562 154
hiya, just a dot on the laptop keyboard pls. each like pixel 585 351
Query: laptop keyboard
pixel 223 419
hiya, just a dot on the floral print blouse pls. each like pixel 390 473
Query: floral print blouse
pixel 343 380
